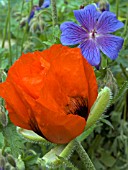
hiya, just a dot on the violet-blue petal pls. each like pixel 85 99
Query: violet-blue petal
pixel 72 33
pixel 110 45
pixel 32 13
pixel 46 4
pixel 108 23
pixel 38 8
pixel 91 52
pixel 87 17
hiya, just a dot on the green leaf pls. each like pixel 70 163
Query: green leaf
pixel 120 93
pixel 107 159
pixel 1 140
pixel 13 140
pixel 107 123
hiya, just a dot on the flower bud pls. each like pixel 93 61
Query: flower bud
pixel 3 118
pixel 2 162
pixel 23 21
pixel 33 27
pixel 3 75
pixel 103 5
pixel 41 25
pixel 11 160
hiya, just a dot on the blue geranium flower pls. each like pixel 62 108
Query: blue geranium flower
pixel 46 4
pixel 94 34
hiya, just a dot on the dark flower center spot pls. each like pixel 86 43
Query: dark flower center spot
pixel 78 105
pixel 93 34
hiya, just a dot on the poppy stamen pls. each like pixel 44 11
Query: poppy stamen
pixel 78 106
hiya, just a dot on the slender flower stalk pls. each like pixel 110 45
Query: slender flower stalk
pixel 117 8
pixel 84 157
pixel 54 12
pixel 5 30
pixel 31 4
pixel 9 33
pixel 17 39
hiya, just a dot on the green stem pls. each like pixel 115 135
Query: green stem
pixel 68 150
pixel 9 32
pixel 86 133
pixel 54 12
pixel 31 4
pixel 5 145
pixel 117 8
pixel 124 72
pixel 126 24
pixel 5 30
pixel 84 157
pixel 126 106
pixel 17 39
pixel 62 151
pixel 25 32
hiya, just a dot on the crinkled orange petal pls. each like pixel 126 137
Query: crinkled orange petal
pixel 92 84
pixel 15 104
pixel 28 73
pixel 66 76
pixel 58 128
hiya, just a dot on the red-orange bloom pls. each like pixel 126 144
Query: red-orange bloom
pixel 51 92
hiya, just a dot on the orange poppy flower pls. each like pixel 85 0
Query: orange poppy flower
pixel 50 92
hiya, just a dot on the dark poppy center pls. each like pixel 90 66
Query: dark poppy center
pixel 78 105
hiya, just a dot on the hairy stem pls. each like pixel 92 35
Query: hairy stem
pixel 84 157
pixel 54 12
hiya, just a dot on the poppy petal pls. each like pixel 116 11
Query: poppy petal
pixel 15 105
pixel 66 76
pixel 28 72
pixel 58 128
pixel 92 84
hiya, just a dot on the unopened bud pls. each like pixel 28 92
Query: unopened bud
pixel 41 25
pixel 33 27
pixel 103 5
pixel 2 162
pixel 11 160
pixel 101 104
pixel 3 118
